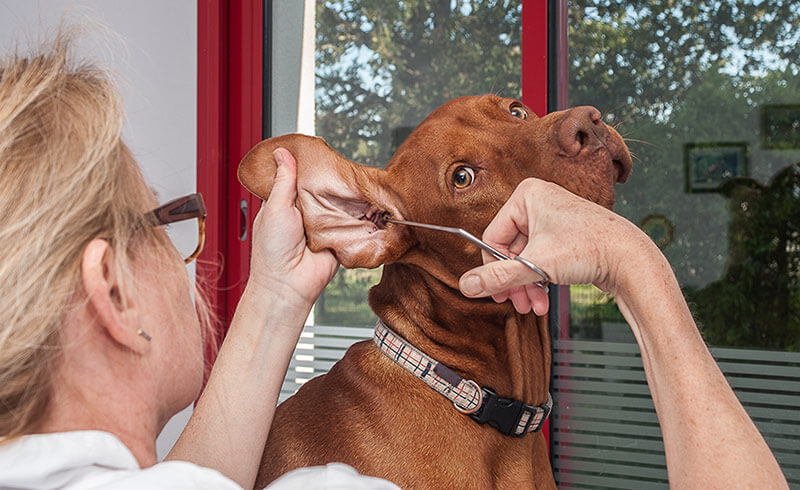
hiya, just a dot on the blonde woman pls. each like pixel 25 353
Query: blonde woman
pixel 100 342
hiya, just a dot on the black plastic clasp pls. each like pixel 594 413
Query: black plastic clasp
pixel 501 413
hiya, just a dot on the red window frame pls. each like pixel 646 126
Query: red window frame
pixel 535 55
pixel 229 122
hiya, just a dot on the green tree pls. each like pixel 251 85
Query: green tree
pixel 636 59
pixel 756 302
pixel 383 66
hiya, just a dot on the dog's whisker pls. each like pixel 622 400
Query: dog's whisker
pixel 621 122
pixel 643 142
pixel 618 122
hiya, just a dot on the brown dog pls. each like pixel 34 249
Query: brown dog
pixel 457 169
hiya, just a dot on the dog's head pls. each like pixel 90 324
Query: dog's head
pixel 456 168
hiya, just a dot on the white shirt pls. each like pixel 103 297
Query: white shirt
pixel 99 460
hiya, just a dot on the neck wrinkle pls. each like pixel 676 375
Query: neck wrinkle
pixel 478 339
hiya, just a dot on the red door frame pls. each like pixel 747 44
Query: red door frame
pixel 544 86
pixel 230 43
pixel 534 55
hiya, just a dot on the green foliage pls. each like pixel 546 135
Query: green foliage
pixel 344 300
pixel 757 300
pixel 589 309
pixel 636 59
pixel 410 57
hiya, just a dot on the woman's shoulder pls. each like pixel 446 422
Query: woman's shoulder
pixel 93 459
pixel 334 476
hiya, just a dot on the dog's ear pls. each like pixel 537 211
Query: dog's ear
pixel 342 202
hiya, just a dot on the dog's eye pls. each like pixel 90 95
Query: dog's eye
pixel 518 111
pixel 463 177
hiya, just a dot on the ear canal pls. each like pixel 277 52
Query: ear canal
pixel 342 203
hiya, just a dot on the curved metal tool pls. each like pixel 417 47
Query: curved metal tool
pixel 480 244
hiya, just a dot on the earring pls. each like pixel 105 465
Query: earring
pixel 144 334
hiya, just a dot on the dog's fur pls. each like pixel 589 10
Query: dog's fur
pixel 367 411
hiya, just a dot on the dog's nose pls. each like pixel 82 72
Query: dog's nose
pixel 582 127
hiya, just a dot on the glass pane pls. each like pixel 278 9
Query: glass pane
pixel 382 67
pixel 707 95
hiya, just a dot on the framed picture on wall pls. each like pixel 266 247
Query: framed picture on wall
pixel 709 165
pixel 780 127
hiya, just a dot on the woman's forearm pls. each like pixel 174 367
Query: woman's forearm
pixel 231 421
pixel 235 411
pixel 709 440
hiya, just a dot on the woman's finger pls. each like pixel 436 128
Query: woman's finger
pixel 540 301
pixel 284 188
pixel 496 277
pixel 500 297
pixel 520 300
pixel 509 226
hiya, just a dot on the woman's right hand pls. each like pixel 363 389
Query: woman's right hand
pixel 574 240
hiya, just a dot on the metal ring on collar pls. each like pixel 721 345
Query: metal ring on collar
pixel 468 411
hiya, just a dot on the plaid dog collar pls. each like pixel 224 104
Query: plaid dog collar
pixel 511 417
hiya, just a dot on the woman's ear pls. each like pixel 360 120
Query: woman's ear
pixel 343 203
pixel 114 313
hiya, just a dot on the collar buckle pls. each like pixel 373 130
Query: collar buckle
pixel 506 415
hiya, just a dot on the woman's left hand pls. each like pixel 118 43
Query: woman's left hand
pixel 282 264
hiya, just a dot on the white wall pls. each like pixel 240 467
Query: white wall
pixel 155 55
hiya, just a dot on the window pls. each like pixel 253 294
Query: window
pixel 707 95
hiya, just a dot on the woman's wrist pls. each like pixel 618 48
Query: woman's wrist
pixel 631 258
pixel 282 292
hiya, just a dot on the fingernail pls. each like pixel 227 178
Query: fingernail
pixel 472 285
pixel 278 156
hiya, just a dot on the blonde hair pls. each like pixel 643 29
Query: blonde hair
pixel 66 179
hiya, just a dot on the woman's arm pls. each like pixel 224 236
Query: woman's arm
pixel 709 440
pixel 231 421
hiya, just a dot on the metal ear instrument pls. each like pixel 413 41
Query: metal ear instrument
pixel 480 244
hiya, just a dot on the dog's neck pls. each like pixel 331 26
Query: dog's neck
pixel 480 340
